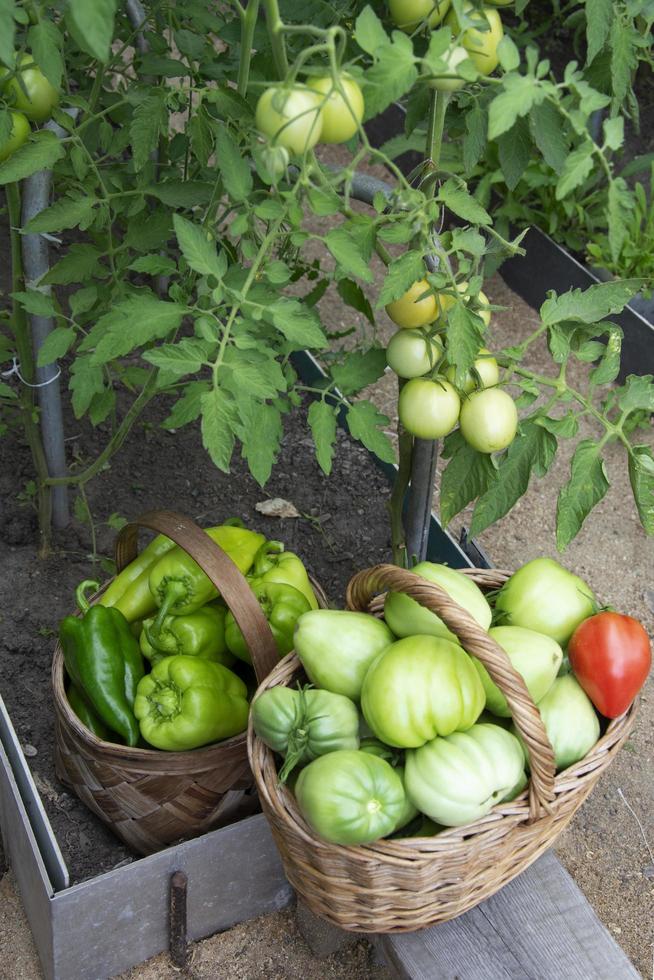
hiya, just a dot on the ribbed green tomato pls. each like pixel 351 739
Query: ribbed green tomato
pixel 416 308
pixel 395 758
pixel 406 617
pixel 481 45
pixel 570 721
pixel 29 90
pixel 459 779
pixel 336 648
pixel 410 353
pixel 20 130
pixel 350 797
pixel 290 117
pixel 340 116
pixel 409 14
pixel 535 656
pixel 544 596
pixel 488 420
pixel 484 373
pixel 418 688
pixel 450 81
pixel 428 409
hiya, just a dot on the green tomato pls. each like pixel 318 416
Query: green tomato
pixel 570 721
pixel 406 617
pixel 395 758
pixel 20 130
pixel 428 409
pixel 459 779
pixel 445 302
pixel 336 648
pixel 290 117
pixel 481 45
pixel 450 80
pixel 416 308
pixel 488 420
pixel 409 14
pixel 535 656
pixel 484 373
pixel 418 688
pixel 350 797
pixel 29 90
pixel 545 597
pixel 340 116
pixel 411 354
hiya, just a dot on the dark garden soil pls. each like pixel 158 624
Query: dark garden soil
pixel 344 526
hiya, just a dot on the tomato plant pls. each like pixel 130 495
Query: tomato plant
pixel 411 353
pixel 291 117
pixel 342 111
pixel 28 90
pixel 449 80
pixel 415 308
pixel 481 38
pixel 488 420
pixel 19 132
pixel 428 409
pixel 611 656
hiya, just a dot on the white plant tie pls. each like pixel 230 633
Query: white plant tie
pixel 15 369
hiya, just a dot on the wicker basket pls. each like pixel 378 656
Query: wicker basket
pixel 404 885
pixel 150 798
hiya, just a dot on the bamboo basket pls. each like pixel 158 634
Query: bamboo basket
pixel 151 798
pixel 407 884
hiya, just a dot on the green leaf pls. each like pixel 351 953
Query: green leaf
pixel 519 94
pixel 251 372
pixel 322 420
pixel 67 212
pixel 131 323
pixel 82 262
pixel 391 77
pixel 565 427
pixel 533 449
pixel 150 117
pixel 322 202
pixel 56 344
pixel 6 391
pixel 200 133
pixel 298 323
pixel 586 487
pixel 463 204
pixel 466 477
pixel 182 193
pixel 185 357
pixel 45 41
pixel 102 404
pixel 624 61
pixel 515 150
pixel 614 132
pixel 599 17
pixel 86 381
pixel 7 30
pixel 637 394
pixel 36 303
pixel 145 236
pixel 93 25
pixel 369 33
pixel 41 152
pixel 352 294
pixel 400 276
pixel 83 300
pixel 199 248
pixel 366 423
pixel 548 133
pixel 187 408
pixel 359 369
pixel 347 253
pixel 609 365
pixel 237 178
pixel 508 54
pixel 464 338
pixel 474 142
pixel 619 204
pixel 218 422
pixel 261 434
pixel 641 476
pixel 577 167
pixel 153 265
pixel 468 240
pixel 589 305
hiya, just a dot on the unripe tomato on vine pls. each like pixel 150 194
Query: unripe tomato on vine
pixel 481 45
pixel 20 130
pixel 428 409
pixel 416 308
pixel 484 372
pixel 340 118
pixel 409 14
pixel 290 116
pixel 489 420
pixel 411 354
pixel 451 81
pixel 29 90
pixel 446 302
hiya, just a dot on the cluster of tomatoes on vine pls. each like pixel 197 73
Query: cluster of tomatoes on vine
pixel 29 96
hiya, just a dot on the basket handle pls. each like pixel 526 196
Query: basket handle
pixel 219 568
pixel 364 585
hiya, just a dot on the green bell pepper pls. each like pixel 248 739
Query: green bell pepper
pixel 178 584
pixel 273 564
pixel 282 606
pixel 87 715
pixel 200 634
pixel 187 702
pixel 103 660
pixel 130 592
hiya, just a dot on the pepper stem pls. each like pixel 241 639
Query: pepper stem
pixel 80 594
pixel 260 565
pixel 174 590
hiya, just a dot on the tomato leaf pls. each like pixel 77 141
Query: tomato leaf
pixel 599 17
pixel 186 357
pixel 219 419
pixel 198 249
pixel 298 323
pixel 236 175
pixel 86 380
pixel 547 132
pixel 359 369
pixel 641 476
pixel 474 142
pixel 40 153
pixel 392 76
pixel 132 322
pixel 55 345
pixel 347 253
pixel 464 338
pixel 81 263
pixel 352 294
pixel 637 394
pixel 519 94
pixel 463 204
pixel 400 275
pixel 515 150
pixel 7 30
pixel 609 364
pixel 466 477
pixel 623 41
pixel 261 435
pixel 67 212
pixel 182 193
pixel 587 485
pixel 92 25
pixel 589 305
pixel 322 420
pixel 45 41
pixel 369 33
pixel 187 408
pixel 150 117
pixel 365 424
pixel 36 303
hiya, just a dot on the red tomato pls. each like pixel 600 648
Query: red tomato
pixel 611 656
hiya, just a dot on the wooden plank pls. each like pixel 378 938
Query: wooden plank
pixel 104 926
pixel 538 927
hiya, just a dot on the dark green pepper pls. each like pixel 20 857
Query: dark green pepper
pixel 273 564
pixel 200 634
pixel 282 606
pixel 87 715
pixel 103 660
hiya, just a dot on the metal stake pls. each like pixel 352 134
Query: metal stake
pixel 178 930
